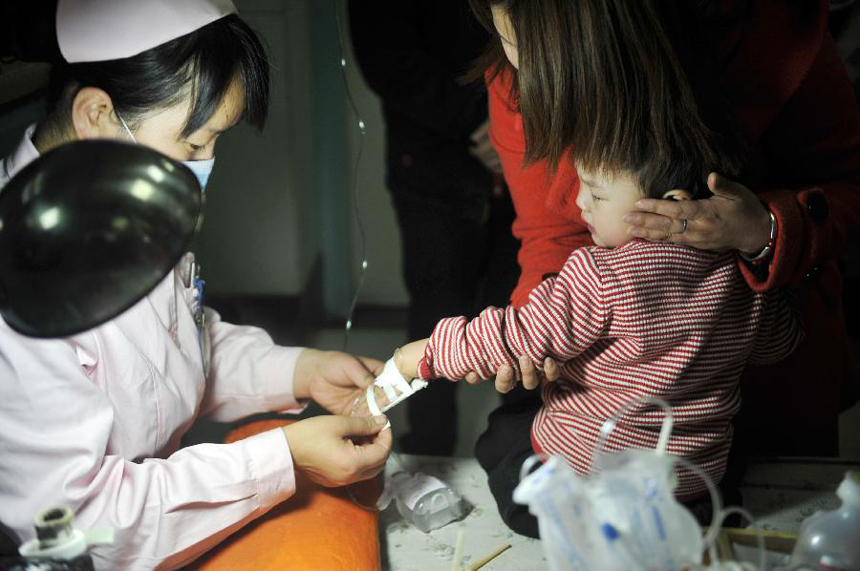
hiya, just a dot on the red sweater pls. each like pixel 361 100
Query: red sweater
pixel 639 320
pixel 797 109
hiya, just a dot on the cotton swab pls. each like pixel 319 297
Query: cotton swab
pixel 478 564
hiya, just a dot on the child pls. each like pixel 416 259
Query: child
pixel 626 319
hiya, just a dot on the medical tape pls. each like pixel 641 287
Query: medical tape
pixel 396 388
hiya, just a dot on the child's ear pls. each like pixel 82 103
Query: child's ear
pixel 678 194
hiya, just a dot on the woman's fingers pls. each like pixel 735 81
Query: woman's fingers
pixel 665 220
pixel 681 209
pixel 747 221
pixel 659 228
pixel 726 188
pixel 732 219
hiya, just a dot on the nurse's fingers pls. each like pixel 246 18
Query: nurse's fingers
pixel 360 425
pixel 375 366
pixel 338 450
pixel 371 456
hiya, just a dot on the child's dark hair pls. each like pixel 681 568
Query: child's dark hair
pixel 625 85
pixel 201 64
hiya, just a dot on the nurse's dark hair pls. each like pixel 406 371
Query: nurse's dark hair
pixel 623 85
pixel 201 64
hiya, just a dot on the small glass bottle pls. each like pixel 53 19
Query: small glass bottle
pixel 426 502
pixel 831 539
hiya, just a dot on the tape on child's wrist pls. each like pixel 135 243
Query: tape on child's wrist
pixel 396 389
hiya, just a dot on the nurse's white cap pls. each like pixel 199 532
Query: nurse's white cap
pixel 99 30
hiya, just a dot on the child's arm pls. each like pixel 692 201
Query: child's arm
pixel 564 316
pixel 780 330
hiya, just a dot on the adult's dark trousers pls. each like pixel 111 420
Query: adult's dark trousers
pixel 457 259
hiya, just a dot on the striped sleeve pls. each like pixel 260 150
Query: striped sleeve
pixel 780 328
pixel 564 316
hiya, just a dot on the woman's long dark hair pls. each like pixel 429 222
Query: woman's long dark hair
pixel 625 85
pixel 201 65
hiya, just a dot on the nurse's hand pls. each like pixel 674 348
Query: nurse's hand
pixel 333 379
pixel 339 450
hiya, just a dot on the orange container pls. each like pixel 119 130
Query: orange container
pixel 317 529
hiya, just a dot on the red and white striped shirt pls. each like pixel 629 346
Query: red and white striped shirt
pixel 640 319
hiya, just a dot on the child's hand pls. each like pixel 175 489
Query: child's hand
pixel 407 357
pixel 507 377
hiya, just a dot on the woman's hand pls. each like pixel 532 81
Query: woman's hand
pixel 732 219
pixel 334 379
pixel 339 450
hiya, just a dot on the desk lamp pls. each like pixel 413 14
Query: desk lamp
pixel 89 229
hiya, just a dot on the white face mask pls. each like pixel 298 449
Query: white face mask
pixel 201 169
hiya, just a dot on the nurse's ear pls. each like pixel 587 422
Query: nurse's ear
pixel 678 194
pixel 93 116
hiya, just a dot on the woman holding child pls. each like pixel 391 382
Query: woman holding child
pixel 756 89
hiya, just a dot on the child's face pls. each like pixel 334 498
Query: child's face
pixel 604 198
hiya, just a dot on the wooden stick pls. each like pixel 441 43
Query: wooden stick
pixel 478 564
pixel 458 549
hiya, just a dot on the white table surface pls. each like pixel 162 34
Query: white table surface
pixel 406 548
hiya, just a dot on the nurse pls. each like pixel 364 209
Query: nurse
pixel 94 421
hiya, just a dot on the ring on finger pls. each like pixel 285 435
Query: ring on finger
pixel 684 225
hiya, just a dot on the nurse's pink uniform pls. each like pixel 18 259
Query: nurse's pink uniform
pixel 94 421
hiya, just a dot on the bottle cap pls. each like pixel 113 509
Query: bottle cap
pixel 849 490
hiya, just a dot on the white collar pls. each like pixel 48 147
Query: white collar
pixel 24 154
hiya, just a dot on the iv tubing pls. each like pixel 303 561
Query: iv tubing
pixel 762 556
